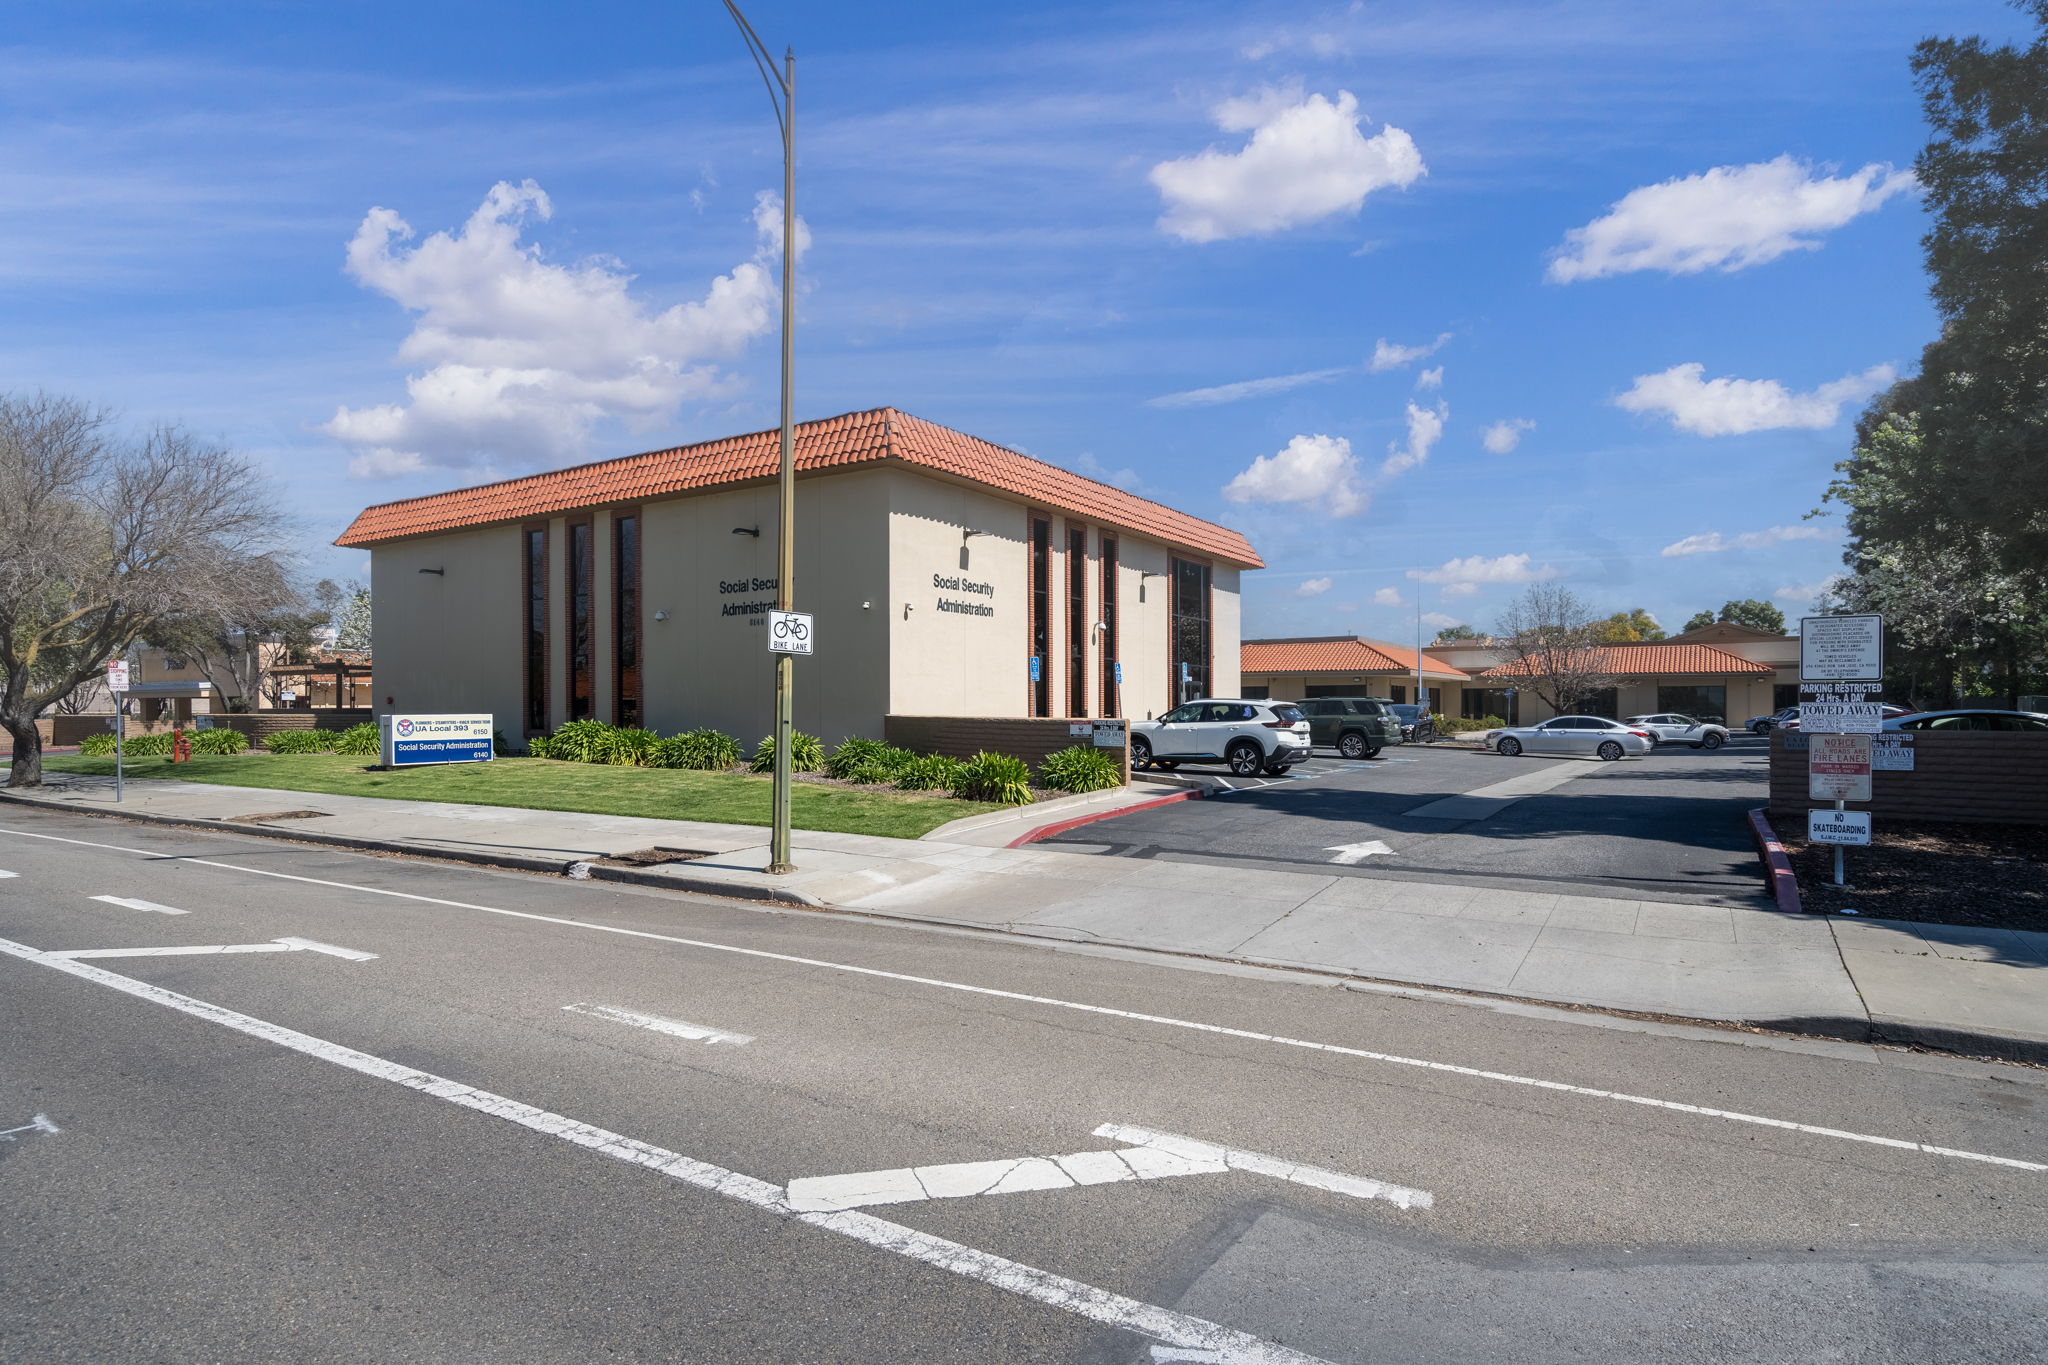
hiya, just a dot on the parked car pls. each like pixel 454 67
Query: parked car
pixel 1606 739
pixel 1417 724
pixel 1356 727
pixel 1251 736
pixel 1763 725
pixel 1668 727
pixel 1968 720
pixel 1889 712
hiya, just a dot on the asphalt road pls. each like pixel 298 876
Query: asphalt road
pixel 428 1155
pixel 1670 825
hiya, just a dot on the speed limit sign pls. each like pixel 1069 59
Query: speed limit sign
pixel 789 632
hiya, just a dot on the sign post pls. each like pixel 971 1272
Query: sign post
pixel 1841 669
pixel 117 685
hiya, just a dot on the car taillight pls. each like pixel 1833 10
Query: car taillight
pixel 1279 725
pixel 1640 734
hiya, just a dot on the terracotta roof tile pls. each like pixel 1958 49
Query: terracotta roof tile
pixel 1338 654
pixel 1646 661
pixel 847 441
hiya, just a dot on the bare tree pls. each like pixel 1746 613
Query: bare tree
pixel 102 540
pixel 237 644
pixel 1551 639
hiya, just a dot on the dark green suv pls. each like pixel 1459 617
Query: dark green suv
pixel 1356 727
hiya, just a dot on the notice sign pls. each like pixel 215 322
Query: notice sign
pixel 1892 752
pixel 1841 649
pixel 1838 827
pixel 406 741
pixel 1109 734
pixel 789 632
pixel 1841 717
pixel 1838 768
pixel 117 675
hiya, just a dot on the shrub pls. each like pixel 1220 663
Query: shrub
pixel 220 741
pixel 806 753
pixel 145 746
pixel 853 752
pixel 1458 726
pixel 1082 768
pixel 97 746
pixel 360 741
pixel 705 750
pixel 931 773
pixel 624 746
pixel 540 746
pixel 584 741
pixel 868 760
pixel 298 742
pixel 994 777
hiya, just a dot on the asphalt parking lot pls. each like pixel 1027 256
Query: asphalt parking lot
pixel 1670 825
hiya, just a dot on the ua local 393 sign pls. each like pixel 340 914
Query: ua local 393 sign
pixel 406 741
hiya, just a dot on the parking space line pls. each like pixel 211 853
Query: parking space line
pixel 997 993
pixel 654 1023
pixel 133 904
pixel 1014 1277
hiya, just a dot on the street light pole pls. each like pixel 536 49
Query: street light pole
pixel 782 95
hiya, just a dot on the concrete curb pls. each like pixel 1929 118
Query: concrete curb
pixel 996 817
pixel 1777 863
pixel 1062 826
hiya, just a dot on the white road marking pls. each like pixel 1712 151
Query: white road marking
pixel 279 945
pixel 4 874
pixel 1057 1291
pixel 133 904
pixel 675 1028
pixel 1349 854
pixel 1153 1155
pixel 39 1124
pixel 1168 1021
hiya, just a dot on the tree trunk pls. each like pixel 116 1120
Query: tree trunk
pixel 27 768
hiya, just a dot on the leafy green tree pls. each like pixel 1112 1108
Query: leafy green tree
pixel 1699 620
pixel 1747 612
pixel 1629 628
pixel 1457 632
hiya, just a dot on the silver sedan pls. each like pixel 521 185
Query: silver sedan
pixel 1671 728
pixel 1593 736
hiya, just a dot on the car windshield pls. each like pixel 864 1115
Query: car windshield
pixel 1283 711
pixel 1405 710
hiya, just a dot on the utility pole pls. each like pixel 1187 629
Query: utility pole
pixel 1421 695
pixel 782 95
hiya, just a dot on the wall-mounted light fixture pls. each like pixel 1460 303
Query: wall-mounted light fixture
pixel 969 532
pixel 438 573
pixel 753 531
pixel 661 616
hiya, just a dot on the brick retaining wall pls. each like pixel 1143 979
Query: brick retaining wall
pixel 1030 739
pixel 67 731
pixel 1982 777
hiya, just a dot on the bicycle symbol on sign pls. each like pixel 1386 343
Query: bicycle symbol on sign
pixel 789 632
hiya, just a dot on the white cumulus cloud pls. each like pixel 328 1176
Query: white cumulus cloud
pixel 1480 569
pixel 1733 407
pixel 1386 597
pixel 1306 159
pixel 1439 620
pixel 1460 589
pixel 1503 436
pixel 519 357
pixel 1713 542
pixel 1309 469
pixel 1726 219
pixel 1430 379
pixel 1425 427
pixel 1387 356
pixel 1313 587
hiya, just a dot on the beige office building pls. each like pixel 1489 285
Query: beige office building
pixel 948 576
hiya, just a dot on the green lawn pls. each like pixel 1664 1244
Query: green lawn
pixel 545 784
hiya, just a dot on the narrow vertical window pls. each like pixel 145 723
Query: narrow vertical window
pixel 1112 698
pixel 1077 621
pixel 626 617
pixel 1041 617
pixel 579 620
pixel 1190 642
pixel 536 628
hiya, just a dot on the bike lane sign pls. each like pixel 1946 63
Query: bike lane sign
pixel 789 632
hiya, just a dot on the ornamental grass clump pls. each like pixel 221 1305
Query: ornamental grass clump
pixel 806 753
pixel 994 777
pixel 221 741
pixel 97 746
pixel 581 741
pixel 625 746
pixel 929 773
pixel 705 750
pixel 1082 768
pixel 147 746
pixel 298 742
pixel 359 741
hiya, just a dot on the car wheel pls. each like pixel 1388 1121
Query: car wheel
pixel 1510 747
pixel 1610 750
pixel 1245 758
pixel 1710 742
pixel 1275 769
pixel 1141 752
pixel 1762 727
pixel 1351 744
pixel 1373 752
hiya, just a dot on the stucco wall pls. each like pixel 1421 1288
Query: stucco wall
pixel 948 662
pixel 449 641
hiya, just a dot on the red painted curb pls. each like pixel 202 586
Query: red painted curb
pixel 1777 864
pixel 1062 826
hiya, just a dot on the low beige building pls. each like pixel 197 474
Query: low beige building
pixel 948 576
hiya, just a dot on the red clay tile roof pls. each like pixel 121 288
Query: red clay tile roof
pixel 1337 654
pixel 1645 661
pixel 880 435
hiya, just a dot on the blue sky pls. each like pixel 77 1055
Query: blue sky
pixel 1091 232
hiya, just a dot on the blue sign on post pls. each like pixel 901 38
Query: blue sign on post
pixel 411 740
pixel 1034 668
pixel 1119 672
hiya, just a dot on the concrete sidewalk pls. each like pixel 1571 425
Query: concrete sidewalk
pixel 1972 990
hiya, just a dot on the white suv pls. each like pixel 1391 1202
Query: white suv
pixel 1248 735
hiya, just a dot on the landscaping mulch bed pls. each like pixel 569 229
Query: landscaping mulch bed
pixel 1933 872
pixel 652 857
